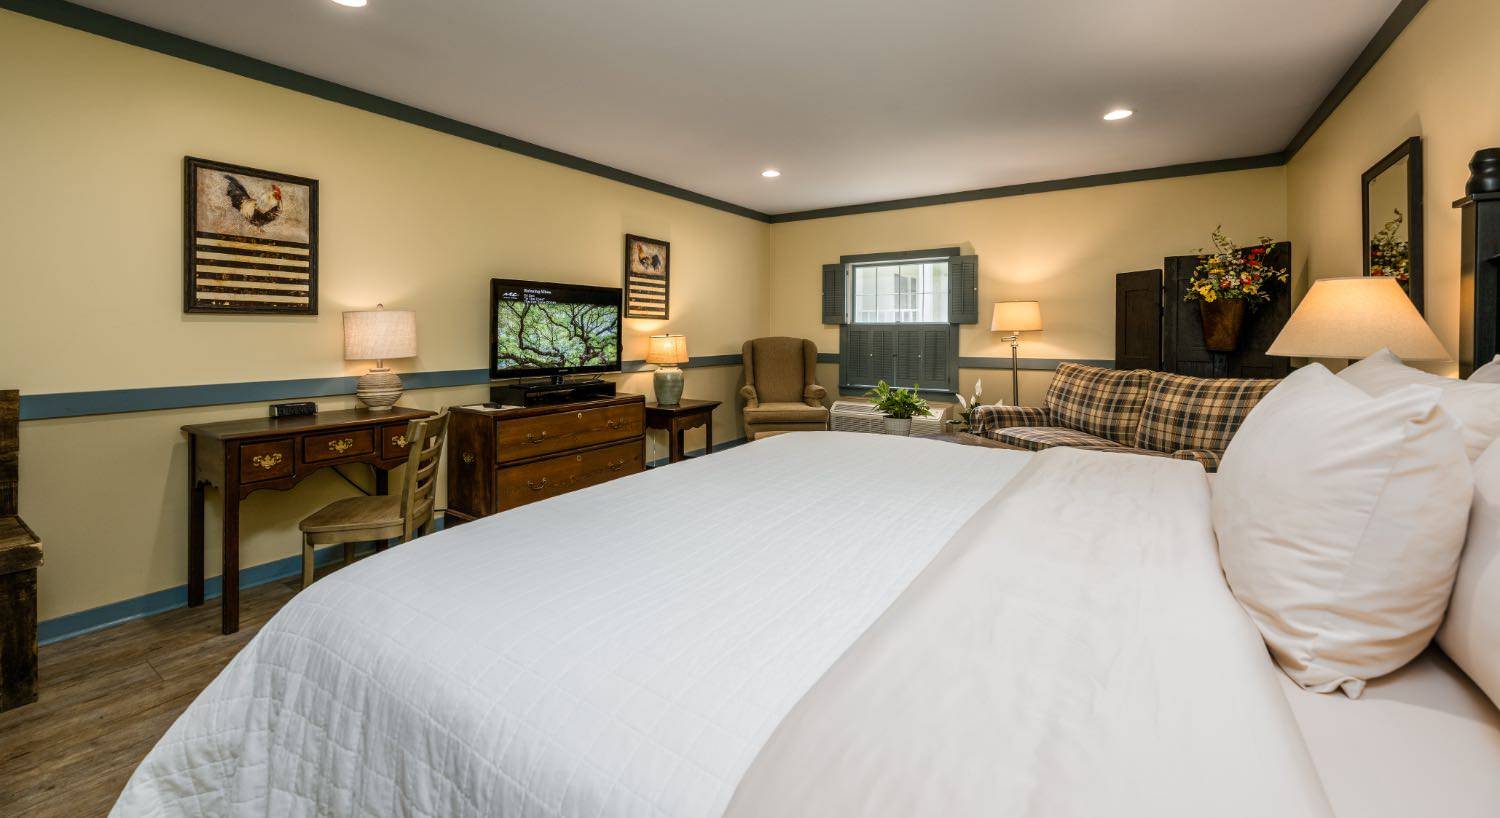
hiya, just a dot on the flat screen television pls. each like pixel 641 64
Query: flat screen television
pixel 539 329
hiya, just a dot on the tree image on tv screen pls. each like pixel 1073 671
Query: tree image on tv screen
pixel 545 335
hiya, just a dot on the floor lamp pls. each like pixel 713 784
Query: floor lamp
pixel 1014 318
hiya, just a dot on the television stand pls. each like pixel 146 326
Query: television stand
pixel 501 459
pixel 552 392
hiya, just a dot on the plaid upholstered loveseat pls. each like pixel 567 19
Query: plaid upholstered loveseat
pixel 1135 410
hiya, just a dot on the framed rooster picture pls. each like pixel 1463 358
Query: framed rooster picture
pixel 252 241
pixel 646 277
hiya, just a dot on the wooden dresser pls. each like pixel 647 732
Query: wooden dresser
pixel 503 458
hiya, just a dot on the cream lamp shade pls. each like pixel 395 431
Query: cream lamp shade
pixel 667 349
pixel 1016 316
pixel 1354 317
pixel 379 334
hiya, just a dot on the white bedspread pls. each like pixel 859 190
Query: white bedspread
pixel 1074 652
pixel 625 650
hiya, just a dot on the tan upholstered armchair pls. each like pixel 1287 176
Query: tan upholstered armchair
pixel 779 392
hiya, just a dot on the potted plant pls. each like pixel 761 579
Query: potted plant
pixel 899 406
pixel 1228 281
pixel 966 407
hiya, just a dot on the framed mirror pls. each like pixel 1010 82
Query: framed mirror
pixel 1392 205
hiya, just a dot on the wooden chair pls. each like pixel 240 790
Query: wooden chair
pixel 379 518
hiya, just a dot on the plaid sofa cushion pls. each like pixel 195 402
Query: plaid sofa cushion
pixel 985 419
pixel 1183 412
pixel 1102 402
pixel 1037 438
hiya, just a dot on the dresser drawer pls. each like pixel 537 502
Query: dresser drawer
pixel 519 438
pixel 352 443
pixel 393 442
pixel 265 460
pixel 519 485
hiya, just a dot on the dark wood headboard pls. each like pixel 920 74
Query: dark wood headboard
pixel 10 444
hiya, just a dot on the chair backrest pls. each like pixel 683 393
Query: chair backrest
pixel 1183 412
pixel 779 368
pixel 1106 403
pixel 419 485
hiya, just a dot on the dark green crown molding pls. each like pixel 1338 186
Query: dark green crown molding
pixel 143 36
pixel 125 31
pixel 1402 16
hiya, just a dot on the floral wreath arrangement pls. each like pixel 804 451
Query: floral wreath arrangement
pixel 1390 255
pixel 1232 273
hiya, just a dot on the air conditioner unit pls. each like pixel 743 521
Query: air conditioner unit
pixel 862 416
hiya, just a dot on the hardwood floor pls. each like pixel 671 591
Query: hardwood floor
pixel 108 696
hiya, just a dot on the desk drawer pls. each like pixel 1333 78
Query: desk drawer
pixel 393 442
pixel 338 445
pixel 520 438
pixel 265 460
pixel 519 485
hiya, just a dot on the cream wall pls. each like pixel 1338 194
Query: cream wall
pixel 1061 248
pixel 1439 80
pixel 91 157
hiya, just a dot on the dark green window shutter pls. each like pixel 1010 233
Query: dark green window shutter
pixel 907 342
pixel 963 290
pixel 857 357
pixel 934 372
pixel 883 354
pixel 835 302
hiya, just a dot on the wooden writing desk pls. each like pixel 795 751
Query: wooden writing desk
pixel 243 456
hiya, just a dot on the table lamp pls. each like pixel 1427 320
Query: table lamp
pixel 1355 316
pixel 667 351
pixel 1014 318
pixel 379 335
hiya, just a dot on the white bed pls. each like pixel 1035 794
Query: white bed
pixel 606 653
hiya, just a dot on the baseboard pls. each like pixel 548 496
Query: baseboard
pixel 79 623
pixel 718 447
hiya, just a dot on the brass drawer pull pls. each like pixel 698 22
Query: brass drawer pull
pixel 532 440
pixel 534 486
pixel 615 424
pixel 468 457
pixel 341 445
pixel 399 441
pixel 617 465
pixel 267 461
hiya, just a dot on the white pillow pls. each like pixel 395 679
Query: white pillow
pixel 1340 519
pixel 1489 373
pixel 1471 633
pixel 1474 405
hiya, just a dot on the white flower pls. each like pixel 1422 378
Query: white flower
pixel 962 402
pixel 978 388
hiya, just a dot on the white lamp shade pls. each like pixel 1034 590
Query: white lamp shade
pixel 379 335
pixel 1354 317
pixel 667 349
pixel 1016 316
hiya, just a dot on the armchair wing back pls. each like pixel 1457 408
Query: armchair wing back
pixel 780 370
pixel 779 392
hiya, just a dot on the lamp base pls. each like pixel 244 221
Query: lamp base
pixel 378 389
pixel 667 383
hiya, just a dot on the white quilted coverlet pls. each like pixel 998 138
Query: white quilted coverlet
pixel 624 650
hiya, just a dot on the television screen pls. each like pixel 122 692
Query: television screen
pixel 538 328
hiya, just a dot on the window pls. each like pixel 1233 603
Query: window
pixel 906 292
pixel 898 316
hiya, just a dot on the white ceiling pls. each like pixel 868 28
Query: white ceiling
pixel 853 100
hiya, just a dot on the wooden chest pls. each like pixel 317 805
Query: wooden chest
pixel 504 458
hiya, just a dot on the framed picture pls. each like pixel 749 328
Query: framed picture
pixel 647 277
pixel 251 240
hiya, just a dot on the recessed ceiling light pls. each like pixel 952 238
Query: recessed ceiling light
pixel 770 173
pixel 1118 114
pixel 353 4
